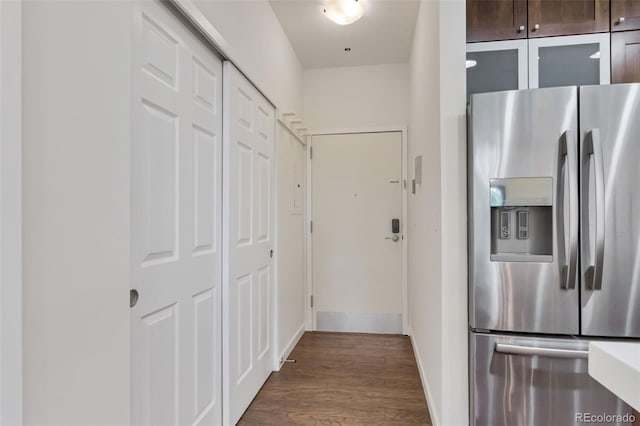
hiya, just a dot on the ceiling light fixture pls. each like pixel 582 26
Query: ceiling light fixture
pixel 471 63
pixel 344 12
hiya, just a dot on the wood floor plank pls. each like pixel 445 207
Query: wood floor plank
pixel 343 378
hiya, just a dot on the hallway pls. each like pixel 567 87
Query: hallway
pixel 342 378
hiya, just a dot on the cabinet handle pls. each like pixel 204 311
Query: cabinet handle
pixel 521 28
pixel 621 20
pixel 536 27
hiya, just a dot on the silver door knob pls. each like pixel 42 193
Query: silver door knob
pixel 395 238
pixel 536 27
pixel 521 28
pixel 621 20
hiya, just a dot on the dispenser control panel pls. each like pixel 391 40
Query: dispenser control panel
pixel 523 225
pixel 505 225
pixel 521 220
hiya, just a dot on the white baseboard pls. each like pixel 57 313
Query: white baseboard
pixel 292 344
pixel 359 322
pixel 435 421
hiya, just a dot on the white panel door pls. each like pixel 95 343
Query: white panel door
pixel 249 125
pixel 357 259
pixel 175 224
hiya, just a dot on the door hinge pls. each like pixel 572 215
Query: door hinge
pixel 312 300
pixel 311 226
pixel 310 152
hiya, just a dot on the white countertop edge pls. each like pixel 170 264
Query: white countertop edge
pixel 616 365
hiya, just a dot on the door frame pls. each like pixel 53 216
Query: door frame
pixel 310 320
pixel 11 212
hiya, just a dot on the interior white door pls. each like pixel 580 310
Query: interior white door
pixel 175 224
pixel 356 258
pixel 249 126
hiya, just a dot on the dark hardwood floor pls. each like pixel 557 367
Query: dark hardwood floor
pixel 343 378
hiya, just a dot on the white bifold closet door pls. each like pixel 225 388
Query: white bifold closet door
pixel 175 223
pixel 249 133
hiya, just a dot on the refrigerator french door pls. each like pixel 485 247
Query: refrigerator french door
pixel 523 192
pixel 610 210
pixel 554 248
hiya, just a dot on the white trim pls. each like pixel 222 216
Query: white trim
pixel 435 421
pixel 602 39
pixel 282 119
pixel 311 320
pixel 274 320
pixel 200 22
pixel 519 45
pixel 347 131
pixel 292 344
pixel 405 232
pixel 11 212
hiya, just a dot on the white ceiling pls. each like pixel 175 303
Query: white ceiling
pixel 382 36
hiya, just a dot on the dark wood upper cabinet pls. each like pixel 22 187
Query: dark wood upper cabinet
pixel 489 20
pixel 625 57
pixel 625 15
pixel 566 17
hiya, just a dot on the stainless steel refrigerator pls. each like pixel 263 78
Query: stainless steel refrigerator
pixel 554 248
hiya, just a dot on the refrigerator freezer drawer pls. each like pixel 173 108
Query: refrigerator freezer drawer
pixel 535 381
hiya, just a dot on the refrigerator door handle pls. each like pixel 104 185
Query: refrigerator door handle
pixel 537 351
pixel 593 148
pixel 567 156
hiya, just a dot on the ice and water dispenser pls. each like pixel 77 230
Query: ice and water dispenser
pixel 522 219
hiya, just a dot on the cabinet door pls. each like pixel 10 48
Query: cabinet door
pixel 625 57
pixel 489 20
pixel 625 15
pixel 569 61
pixel 566 17
pixel 496 66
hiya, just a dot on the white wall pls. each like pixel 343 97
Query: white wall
pixel 453 161
pixel 437 212
pixel 259 47
pixel 76 161
pixel 291 259
pixel 425 278
pixel 10 214
pixel 354 97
